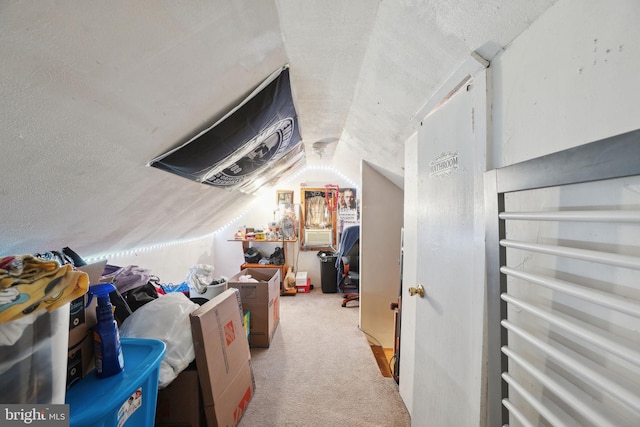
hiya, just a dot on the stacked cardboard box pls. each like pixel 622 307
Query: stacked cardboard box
pixel 80 359
pixel 222 385
pixel 262 299
pixel 180 403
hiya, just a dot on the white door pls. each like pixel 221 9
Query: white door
pixel 447 388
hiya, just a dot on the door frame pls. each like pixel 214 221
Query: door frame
pixel 472 71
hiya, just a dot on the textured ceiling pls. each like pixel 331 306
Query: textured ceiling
pixel 93 90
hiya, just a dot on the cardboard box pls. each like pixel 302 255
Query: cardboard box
pixel 262 299
pixel 301 278
pixel 180 403
pixel 80 359
pixel 222 359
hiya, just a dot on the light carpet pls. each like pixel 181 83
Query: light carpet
pixel 320 371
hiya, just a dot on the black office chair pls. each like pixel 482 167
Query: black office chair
pixel 351 279
pixel 349 265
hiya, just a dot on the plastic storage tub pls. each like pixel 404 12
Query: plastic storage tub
pixel 33 358
pixel 210 292
pixel 125 399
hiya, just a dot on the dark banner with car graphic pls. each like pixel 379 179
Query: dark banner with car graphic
pixel 260 134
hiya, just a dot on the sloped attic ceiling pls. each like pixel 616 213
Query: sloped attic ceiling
pixel 91 91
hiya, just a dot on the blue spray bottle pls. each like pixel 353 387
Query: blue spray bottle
pixel 106 339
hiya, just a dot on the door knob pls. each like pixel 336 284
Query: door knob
pixel 419 290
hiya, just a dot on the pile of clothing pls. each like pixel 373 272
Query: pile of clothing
pixel 29 283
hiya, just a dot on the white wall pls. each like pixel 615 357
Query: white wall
pixel 171 262
pixel 572 78
pixel 229 255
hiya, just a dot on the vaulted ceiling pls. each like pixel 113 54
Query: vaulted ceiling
pixel 91 91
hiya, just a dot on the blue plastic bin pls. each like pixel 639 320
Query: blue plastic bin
pixel 125 399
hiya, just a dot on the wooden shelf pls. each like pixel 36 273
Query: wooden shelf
pixel 283 267
pixel 263 241
pixel 246 243
pixel 257 265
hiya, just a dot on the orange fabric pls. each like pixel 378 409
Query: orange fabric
pixel 28 284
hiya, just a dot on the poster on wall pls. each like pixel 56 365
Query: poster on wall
pixel 348 207
pixel 260 134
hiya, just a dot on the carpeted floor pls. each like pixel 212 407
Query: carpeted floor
pixel 320 371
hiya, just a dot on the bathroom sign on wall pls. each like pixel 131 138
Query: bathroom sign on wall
pixel 443 165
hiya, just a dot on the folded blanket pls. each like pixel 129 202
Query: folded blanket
pixel 28 283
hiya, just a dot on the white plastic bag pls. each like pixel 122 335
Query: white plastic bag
pixel 245 278
pixel 199 276
pixel 165 318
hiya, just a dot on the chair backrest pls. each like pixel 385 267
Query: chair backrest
pixel 350 240
pixel 354 250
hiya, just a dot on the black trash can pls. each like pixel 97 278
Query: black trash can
pixel 328 272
